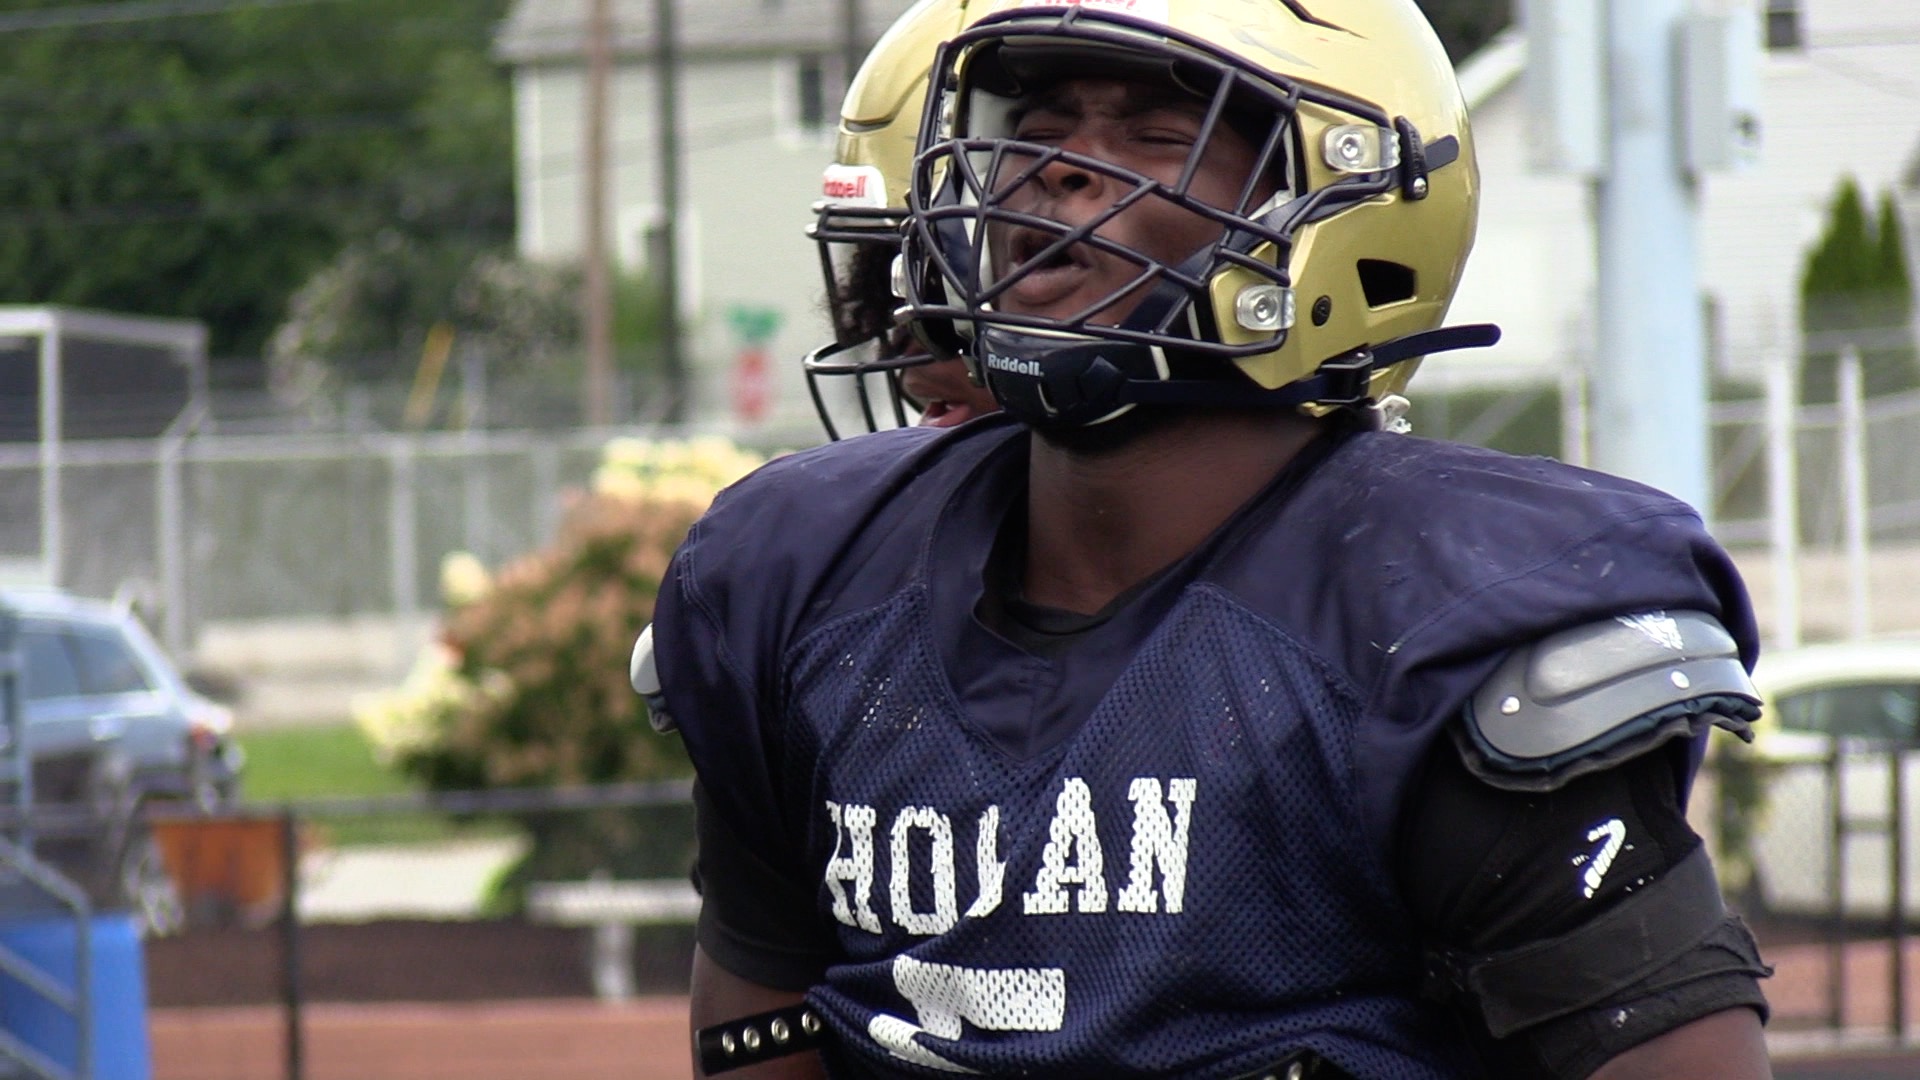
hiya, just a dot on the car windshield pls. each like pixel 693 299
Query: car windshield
pixel 1885 712
pixel 50 671
pixel 78 661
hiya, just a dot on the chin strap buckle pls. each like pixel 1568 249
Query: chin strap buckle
pixel 751 1040
pixel 1346 380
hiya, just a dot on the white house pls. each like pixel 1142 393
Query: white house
pixel 759 95
pixel 1841 96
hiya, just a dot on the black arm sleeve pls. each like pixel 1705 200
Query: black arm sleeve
pixel 1487 871
pixel 755 921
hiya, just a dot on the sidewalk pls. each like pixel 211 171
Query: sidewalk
pixel 442 880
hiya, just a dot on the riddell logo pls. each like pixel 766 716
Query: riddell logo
pixel 844 187
pixel 1013 365
pixel 853 185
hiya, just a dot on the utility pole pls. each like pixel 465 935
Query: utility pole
pixel 1649 383
pixel 596 299
pixel 852 45
pixel 672 361
pixel 1641 97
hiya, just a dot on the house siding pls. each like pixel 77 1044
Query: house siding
pixel 1845 104
pixel 745 187
pixel 748 175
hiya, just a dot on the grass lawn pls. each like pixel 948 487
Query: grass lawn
pixel 335 760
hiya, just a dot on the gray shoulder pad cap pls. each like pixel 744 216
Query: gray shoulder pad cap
pixel 646 681
pixel 1596 694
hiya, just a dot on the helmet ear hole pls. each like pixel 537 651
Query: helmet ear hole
pixel 1384 282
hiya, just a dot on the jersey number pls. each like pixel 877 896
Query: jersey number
pixel 991 999
pixel 1614 832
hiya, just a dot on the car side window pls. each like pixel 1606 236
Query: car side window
pixel 1883 712
pixel 50 671
pixel 106 664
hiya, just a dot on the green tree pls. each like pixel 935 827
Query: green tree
pixel 206 163
pixel 1465 25
pixel 1855 292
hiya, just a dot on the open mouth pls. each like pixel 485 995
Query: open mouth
pixel 1026 245
pixel 1042 270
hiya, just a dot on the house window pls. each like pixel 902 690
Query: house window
pixel 807 89
pixel 810 93
pixel 1783 24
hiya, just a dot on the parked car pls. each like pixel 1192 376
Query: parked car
pixel 111 726
pixel 1861 700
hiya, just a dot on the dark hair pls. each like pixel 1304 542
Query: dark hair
pixel 862 304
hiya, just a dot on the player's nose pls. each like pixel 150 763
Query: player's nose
pixel 1066 175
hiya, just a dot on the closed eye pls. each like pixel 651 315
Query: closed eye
pixel 1164 138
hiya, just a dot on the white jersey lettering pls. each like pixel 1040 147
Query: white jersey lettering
pixel 850 876
pixel 900 878
pixel 945 998
pixel 1158 840
pixel 989 869
pixel 1614 833
pixel 1072 857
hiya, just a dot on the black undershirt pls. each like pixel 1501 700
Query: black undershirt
pixel 1044 631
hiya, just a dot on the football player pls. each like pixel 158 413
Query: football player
pixel 857 228
pixel 1180 721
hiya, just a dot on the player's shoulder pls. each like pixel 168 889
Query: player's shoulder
pixel 827 481
pixel 1472 505
pixel 1473 549
pixel 1425 474
pixel 803 512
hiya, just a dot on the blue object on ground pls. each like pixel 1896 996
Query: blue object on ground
pixel 120 1045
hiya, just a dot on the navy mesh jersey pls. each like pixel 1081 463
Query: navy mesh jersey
pixel 1166 852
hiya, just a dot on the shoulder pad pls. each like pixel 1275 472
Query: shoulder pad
pixel 646 682
pixel 1593 696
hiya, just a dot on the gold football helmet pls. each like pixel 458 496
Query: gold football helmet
pixel 1320 287
pixel 858 218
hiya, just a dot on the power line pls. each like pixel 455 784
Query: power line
pixel 134 11
pixel 327 200
pixel 218 130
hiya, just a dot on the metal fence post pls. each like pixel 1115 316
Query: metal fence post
pixel 170 521
pixel 1855 508
pixel 404 533
pixel 1783 494
pixel 546 491
pixel 290 943
pixel 1836 888
pixel 53 543
pixel 1897 858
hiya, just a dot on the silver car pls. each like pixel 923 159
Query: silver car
pixel 110 727
pixel 1844 706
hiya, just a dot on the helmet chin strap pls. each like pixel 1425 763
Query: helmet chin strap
pixel 1078 382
